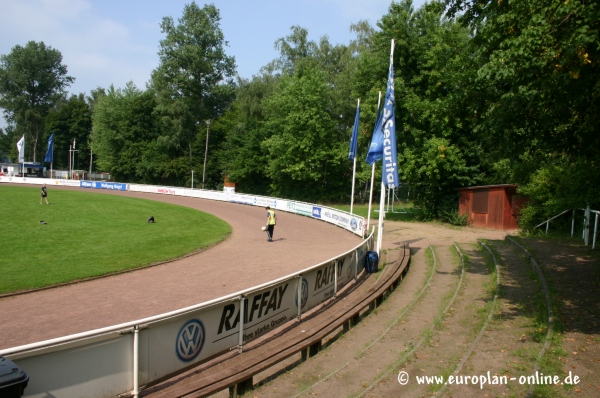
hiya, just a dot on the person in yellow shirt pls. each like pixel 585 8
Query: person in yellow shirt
pixel 271 221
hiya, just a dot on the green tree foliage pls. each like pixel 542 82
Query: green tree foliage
pixel 289 128
pixel 32 81
pixel 125 137
pixel 540 62
pixel 241 156
pixel 433 62
pixel 304 153
pixel 70 120
pixel 7 141
pixel 194 83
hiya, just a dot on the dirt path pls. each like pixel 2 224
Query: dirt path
pixel 244 260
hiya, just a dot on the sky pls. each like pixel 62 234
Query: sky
pixel 106 42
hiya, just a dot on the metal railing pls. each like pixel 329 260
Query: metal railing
pixel 586 224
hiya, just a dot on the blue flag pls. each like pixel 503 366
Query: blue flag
pixel 376 148
pixel 354 139
pixel 388 127
pixel 50 151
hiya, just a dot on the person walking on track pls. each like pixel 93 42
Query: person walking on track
pixel 271 221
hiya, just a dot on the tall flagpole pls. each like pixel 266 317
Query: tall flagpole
pixel 382 200
pixel 372 176
pixel 353 174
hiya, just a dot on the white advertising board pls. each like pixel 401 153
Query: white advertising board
pixel 99 369
pixel 198 335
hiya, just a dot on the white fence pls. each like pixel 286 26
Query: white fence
pixel 119 359
pixel 587 215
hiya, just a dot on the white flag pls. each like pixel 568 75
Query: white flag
pixel 21 148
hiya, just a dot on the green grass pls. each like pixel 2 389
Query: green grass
pixel 89 234
pixel 412 214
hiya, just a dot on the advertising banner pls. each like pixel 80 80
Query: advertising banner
pixel 68 183
pixel 103 185
pixel 166 191
pixel 19 180
pixel 342 219
pixel 202 194
pixel 241 199
pixel 196 336
pixel 303 209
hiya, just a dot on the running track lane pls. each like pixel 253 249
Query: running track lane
pixel 243 260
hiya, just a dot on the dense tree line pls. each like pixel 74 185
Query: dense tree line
pixel 487 91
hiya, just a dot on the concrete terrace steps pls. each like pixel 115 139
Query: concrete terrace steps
pixel 352 366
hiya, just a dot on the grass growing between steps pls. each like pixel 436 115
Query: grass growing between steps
pixel 550 363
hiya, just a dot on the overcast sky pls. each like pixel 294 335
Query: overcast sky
pixel 106 42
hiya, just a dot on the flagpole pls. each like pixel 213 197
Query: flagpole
pixel 381 214
pixel 382 200
pixel 353 172
pixel 372 177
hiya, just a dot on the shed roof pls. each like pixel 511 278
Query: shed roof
pixel 488 186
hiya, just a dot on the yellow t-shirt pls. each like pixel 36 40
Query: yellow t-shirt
pixel 271 217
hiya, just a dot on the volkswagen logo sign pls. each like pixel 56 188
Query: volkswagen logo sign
pixel 190 340
pixel 303 294
pixel 353 224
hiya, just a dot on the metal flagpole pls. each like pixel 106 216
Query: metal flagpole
pixel 353 174
pixel 381 214
pixel 382 200
pixel 205 152
pixel 372 177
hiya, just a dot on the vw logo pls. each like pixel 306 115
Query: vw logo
pixel 190 340
pixel 353 224
pixel 303 294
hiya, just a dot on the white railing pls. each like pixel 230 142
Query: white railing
pixel 120 359
pixel 586 224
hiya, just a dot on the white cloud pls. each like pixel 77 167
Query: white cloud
pixel 91 45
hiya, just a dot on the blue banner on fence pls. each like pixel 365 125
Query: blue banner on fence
pixel 117 186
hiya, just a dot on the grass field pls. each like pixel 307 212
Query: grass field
pixel 89 234
pixel 404 212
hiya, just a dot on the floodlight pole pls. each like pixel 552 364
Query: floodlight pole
pixel 192 179
pixel 205 153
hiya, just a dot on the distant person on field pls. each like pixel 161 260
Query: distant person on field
pixel 271 221
pixel 44 194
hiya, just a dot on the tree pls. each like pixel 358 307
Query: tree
pixel 433 62
pixel 305 158
pixel 125 136
pixel 194 81
pixel 241 156
pixel 32 80
pixel 70 120
pixel 540 60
